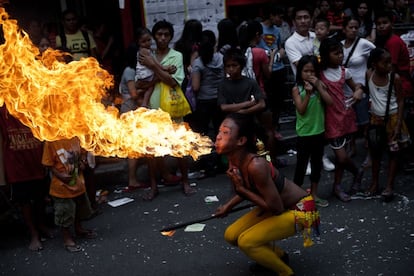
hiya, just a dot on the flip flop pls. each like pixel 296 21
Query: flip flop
pixel 73 248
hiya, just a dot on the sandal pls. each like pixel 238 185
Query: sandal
pixel 341 195
pixel 73 248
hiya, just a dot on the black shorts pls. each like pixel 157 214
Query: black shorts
pixel 33 190
pixel 339 142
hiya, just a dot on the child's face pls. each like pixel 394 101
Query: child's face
pixel 308 71
pixel 145 41
pixel 351 29
pixel 384 25
pixel 233 69
pixel 384 65
pixel 336 57
pixel 321 30
pixel 43 45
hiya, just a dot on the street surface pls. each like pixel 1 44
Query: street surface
pixel 362 237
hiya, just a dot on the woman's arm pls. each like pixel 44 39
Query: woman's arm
pixel 195 81
pixel 159 72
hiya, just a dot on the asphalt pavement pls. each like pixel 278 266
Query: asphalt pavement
pixel 362 237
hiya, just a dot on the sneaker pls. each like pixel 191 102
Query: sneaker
pixel 327 164
pixel 308 169
pixel 321 202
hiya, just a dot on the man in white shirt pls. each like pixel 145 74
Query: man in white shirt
pixel 300 43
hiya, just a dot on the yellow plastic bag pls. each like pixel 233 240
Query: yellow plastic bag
pixel 173 101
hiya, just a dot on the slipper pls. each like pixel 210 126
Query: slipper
pixel 129 189
pixel 73 248
pixel 88 234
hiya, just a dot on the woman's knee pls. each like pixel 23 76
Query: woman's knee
pixel 230 236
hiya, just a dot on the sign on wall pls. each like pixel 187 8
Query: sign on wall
pixel 209 12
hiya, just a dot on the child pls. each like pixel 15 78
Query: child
pixel 321 32
pixel 66 161
pixel 238 93
pixel 379 80
pixel 401 65
pixel 340 117
pixel 142 73
pixel 309 94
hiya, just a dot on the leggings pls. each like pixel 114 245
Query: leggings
pixel 254 234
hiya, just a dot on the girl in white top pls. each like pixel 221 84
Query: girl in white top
pixel 379 77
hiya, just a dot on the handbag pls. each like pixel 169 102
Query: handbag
pixel 173 101
pixel 190 95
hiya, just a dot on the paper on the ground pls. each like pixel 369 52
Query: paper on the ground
pixel 209 199
pixel 196 227
pixel 120 201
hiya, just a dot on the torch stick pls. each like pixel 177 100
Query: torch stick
pixel 184 224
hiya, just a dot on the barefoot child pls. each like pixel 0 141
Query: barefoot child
pixel 309 95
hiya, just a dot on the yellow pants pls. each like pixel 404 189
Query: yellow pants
pixel 254 233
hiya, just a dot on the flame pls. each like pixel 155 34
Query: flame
pixel 168 233
pixel 58 100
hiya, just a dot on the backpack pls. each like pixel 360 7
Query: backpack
pixel 248 69
pixel 64 47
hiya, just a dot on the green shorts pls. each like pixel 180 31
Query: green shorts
pixel 66 209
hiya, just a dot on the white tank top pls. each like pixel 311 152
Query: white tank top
pixel 378 96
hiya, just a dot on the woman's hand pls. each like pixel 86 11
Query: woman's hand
pixel 222 211
pixel 236 178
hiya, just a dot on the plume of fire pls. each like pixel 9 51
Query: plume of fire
pixel 58 100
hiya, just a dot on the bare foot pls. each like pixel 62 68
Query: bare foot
pixel 35 245
pixel 188 190
pixel 150 195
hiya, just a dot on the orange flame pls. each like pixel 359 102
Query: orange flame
pixel 168 233
pixel 58 100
